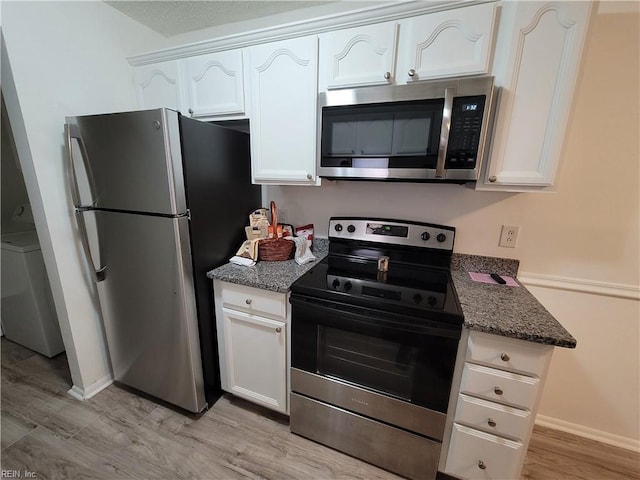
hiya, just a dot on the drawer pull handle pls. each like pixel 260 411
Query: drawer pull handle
pixel 491 422
pixel 278 329
pixel 248 301
pixel 505 357
pixel 481 465
pixel 497 390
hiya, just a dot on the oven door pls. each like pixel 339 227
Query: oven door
pixel 409 361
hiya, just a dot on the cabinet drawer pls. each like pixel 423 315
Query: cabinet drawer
pixel 254 300
pixel 492 417
pixel 474 454
pixel 499 386
pixel 508 353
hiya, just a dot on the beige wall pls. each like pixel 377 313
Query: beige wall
pixel 587 232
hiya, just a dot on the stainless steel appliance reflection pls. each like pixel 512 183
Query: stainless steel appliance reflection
pixel 151 193
pixel 373 356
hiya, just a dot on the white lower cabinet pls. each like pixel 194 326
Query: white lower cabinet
pixel 497 387
pixel 253 332
pixel 485 456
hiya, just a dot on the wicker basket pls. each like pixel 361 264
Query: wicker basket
pixel 275 249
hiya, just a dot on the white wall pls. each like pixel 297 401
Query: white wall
pixel 585 233
pixel 13 189
pixel 66 58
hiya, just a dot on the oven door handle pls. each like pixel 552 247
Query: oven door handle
pixel 374 319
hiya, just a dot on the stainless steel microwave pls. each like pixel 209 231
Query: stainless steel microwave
pixel 427 131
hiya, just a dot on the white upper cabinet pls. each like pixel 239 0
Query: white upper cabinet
pixel 157 85
pixel 358 56
pixel 538 54
pixel 446 44
pixel 284 90
pixel 214 84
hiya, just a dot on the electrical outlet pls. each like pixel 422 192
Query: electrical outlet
pixel 509 236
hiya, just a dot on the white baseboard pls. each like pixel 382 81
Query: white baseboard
pixel 590 433
pixel 93 389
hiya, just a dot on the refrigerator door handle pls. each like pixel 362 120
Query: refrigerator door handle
pixel 71 131
pixel 97 275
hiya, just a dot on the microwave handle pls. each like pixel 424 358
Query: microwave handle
pixel 449 93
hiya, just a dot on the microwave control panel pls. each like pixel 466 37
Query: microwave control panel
pixel 464 133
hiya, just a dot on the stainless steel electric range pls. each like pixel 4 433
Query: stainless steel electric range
pixel 375 332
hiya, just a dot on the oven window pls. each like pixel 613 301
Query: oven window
pixel 380 364
pixel 384 355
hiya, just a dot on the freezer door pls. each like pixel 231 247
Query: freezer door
pixel 149 307
pixel 132 160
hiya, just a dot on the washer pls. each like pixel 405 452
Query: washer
pixel 27 311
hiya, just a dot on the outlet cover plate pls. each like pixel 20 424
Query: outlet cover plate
pixel 509 236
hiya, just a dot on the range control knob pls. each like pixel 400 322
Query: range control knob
pixel 441 237
pixel 335 283
pixel 351 229
pixel 431 300
pixel 347 286
pixel 338 227
pixel 417 298
pixel 425 236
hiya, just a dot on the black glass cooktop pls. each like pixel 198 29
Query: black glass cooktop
pixel 412 290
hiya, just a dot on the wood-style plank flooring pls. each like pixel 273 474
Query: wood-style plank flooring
pixel 117 434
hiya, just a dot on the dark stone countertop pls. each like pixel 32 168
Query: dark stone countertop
pixel 498 309
pixel 503 310
pixel 274 276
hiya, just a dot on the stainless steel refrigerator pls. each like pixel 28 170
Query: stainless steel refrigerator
pixel 160 199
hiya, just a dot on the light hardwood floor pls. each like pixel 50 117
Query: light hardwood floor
pixel 120 435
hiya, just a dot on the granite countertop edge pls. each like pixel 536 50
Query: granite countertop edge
pixel 495 309
pixel 272 276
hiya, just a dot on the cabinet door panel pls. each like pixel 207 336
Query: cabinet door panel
pixel 215 83
pixel 358 56
pixel 256 359
pixel 283 111
pixel 540 46
pixel 450 43
pixel 478 455
pixel 157 85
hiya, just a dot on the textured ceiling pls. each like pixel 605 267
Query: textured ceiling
pixel 171 18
